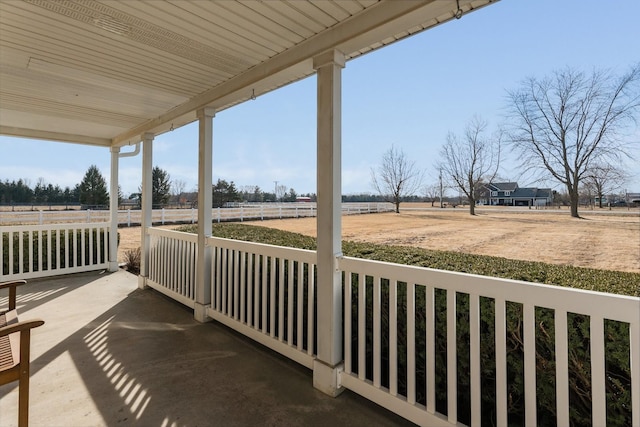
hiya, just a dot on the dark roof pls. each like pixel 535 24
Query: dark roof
pixel 531 193
pixel 527 193
pixel 504 186
pixel 544 192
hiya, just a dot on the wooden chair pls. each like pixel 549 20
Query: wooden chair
pixel 15 340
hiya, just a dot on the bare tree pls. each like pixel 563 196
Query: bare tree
pixel 604 179
pixel 432 192
pixel 470 162
pixel 396 177
pixel 281 190
pixel 564 123
pixel 177 188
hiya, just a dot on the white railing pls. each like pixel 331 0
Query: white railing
pixel 249 212
pixel 30 251
pixel 266 293
pixel 391 359
pixel 172 264
pixel 426 344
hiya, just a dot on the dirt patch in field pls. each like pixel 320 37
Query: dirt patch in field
pixel 610 242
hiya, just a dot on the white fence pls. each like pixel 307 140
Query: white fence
pixel 30 251
pixel 248 212
pixel 411 333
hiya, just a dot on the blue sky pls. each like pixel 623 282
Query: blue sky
pixel 409 94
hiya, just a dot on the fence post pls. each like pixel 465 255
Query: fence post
pixel 280 211
pixel 192 216
pixel 218 214
pixel 261 212
pixel 241 214
pixel 40 217
pixel 162 216
pixel 88 215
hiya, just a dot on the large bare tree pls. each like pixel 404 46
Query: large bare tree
pixel 396 177
pixel 564 123
pixel 469 162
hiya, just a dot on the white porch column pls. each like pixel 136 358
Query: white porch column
pixel 328 364
pixel 146 206
pixel 113 210
pixel 205 184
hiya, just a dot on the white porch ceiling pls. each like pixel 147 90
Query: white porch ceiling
pixel 105 72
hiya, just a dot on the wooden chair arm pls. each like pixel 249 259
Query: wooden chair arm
pixel 12 291
pixel 20 326
pixel 11 283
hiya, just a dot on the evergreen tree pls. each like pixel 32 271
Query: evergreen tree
pixel 15 192
pixel 93 188
pixel 290 196
pixel 161 187
pixel 224 192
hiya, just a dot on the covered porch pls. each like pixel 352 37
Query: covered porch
pixel 369 328
pixel 112 354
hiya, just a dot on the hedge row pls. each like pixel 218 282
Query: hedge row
pixel 616 282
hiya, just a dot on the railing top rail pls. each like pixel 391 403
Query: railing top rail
pixel 173 234
pixel 609 306
pixel 63 226
pixel 264 249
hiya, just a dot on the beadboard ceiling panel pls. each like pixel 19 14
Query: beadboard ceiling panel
pixel 104 72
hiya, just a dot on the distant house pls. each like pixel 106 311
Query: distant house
pixel 509 194
pixel 633 198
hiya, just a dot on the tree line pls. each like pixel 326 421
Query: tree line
pixel 91 191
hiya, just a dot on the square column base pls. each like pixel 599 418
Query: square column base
pixel 142 282
pixel 200 313
pixel 113 266
pixel 327 378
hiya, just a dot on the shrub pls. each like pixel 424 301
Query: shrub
pixel 132 259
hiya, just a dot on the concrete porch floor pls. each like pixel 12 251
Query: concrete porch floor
pixel 110 354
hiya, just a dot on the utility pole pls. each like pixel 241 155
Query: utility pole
pixel 441 188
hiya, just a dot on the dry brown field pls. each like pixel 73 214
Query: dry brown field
pixel 598 240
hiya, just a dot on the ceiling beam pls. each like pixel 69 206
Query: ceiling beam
pixel 54 136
